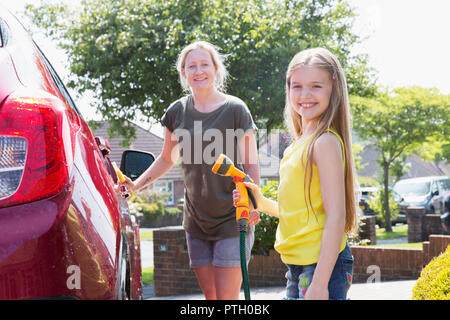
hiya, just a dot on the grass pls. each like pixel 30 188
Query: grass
pixel 413 245
pixel 397 232
pixel 147 273
pixel 147 276
pixel 146 235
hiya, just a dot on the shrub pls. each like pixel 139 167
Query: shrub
pixel 172 211
pixel 149 203
pixel 266 229
pixel 152 196
pixel 151 211
pixel 434 280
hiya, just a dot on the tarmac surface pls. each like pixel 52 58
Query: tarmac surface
pixel 388 290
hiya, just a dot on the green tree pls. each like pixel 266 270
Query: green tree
pixel 399 122
pixel 125 50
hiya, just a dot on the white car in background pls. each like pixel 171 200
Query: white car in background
pixel 427 192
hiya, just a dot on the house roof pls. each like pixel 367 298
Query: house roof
pixel 419 167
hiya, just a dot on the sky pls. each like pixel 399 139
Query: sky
pixel 407 43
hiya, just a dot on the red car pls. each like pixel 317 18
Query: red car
pixel 64 231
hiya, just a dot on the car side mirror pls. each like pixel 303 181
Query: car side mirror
pixel 134 163
pixel 435 193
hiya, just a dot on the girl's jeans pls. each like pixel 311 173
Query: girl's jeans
pixel 299 278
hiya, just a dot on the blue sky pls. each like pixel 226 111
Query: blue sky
pixel 407 42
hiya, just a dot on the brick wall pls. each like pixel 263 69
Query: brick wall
pixel 421 225
pixel 173 276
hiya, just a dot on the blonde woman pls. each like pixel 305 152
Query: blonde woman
pixel 316 199
pixel 198 128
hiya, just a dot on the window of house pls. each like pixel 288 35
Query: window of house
pixel 165 186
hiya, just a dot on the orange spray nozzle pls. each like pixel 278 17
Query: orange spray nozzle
pixel 224 166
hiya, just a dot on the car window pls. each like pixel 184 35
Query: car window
pixel 444 184
pixel 434 187
pixel 59 84
pixel 420 188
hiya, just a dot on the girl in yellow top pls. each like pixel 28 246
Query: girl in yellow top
pixel 316 199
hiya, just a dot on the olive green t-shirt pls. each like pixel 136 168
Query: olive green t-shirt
pixel 209 213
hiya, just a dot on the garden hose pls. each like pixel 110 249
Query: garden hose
pixel 244 265
pixel 224 166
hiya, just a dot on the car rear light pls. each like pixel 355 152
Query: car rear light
pixel 35 148
pixel 13 151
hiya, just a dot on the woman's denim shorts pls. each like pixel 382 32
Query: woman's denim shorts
pixel 299 278
pixel 219 253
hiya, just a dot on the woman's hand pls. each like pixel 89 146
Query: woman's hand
pixel 125 189
pixel 129 183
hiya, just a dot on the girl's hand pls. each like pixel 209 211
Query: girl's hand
pixel 264 204
pixel 316 292
pixel 253 218
pixel 255 189
pixel 254 214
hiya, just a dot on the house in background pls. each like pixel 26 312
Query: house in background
pixel 418 167
pixel 171 182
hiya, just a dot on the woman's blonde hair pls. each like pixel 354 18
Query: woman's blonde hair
pixel 336 117
pixel 217 59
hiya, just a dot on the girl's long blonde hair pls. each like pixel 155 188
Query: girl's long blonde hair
pixel 336 117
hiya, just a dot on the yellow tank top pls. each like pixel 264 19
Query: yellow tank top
pixel 299 233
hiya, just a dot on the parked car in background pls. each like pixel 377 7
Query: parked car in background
pixel 64 231
pixel 365 194
pixel 427 192
pixel 368 194
pixel 445 218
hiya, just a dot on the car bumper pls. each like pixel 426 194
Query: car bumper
pixel 49 249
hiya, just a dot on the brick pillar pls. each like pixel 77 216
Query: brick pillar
pixel 367 230
pixel 415 217
pixel 172 273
